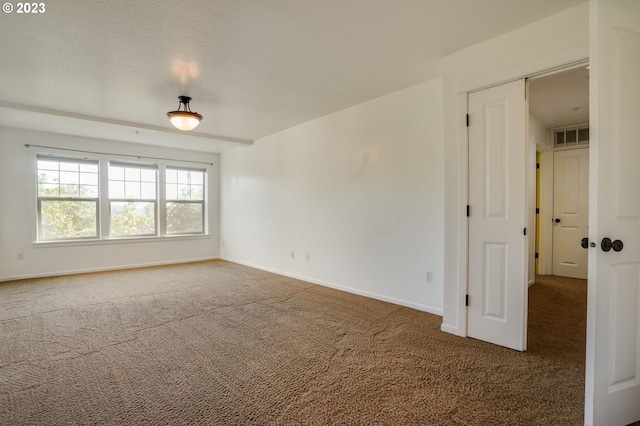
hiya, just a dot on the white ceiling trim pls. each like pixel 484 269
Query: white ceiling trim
pixel 53 121
pixel 565 59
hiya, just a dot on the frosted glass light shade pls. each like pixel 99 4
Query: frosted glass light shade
pixel 184 120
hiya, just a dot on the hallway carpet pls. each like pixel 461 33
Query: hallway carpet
pixel 216 343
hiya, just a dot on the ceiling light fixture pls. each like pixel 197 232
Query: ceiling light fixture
pixel 184 119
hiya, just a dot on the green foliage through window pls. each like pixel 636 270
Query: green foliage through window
pixel 68 219
pixel 184 218
pixel 132 218
pixel 185 201
pixel 67 198
pixel 132 197
pixel 70 194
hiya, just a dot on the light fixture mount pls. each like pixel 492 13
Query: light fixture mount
pixel 184 119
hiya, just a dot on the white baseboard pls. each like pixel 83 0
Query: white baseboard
pixel 408 304
pixel 102 269
pixel 449 329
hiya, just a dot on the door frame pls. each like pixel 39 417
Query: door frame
pixel 545 231
pixel 553 204
pixel 571 58
pixel 529 186
pixel 456 176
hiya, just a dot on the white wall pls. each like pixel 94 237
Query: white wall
pixel 360 190
pixel 17 214
pixel 551 42
pixel 538 133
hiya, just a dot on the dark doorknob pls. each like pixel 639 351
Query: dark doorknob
pixel 557 220
pixel 584 243
pixel 607 245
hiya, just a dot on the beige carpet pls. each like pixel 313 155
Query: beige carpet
pixel 219 343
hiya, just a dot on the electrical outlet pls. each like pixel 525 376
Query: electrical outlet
pixel 307 256
pixel 293 254
pixel 20 256
pixel 429 276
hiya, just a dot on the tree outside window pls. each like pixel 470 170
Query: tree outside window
pixel 67 198
pixel 132 200
pixel 71 190
pixel 185 190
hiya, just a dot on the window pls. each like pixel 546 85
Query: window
pixel 104 199
pixel 132 200
pixel 185 201
pixel 569 136
pixel 68 193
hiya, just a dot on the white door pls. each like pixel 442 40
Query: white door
pixel 497 298
pixel 570 212
pixel 613 324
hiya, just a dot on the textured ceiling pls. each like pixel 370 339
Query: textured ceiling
pixel 253 67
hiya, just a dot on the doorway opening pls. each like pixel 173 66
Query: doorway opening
pixel 559 132
pixel 501 195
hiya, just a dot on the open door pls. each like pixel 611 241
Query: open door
pixel 613 325
pixel 497 304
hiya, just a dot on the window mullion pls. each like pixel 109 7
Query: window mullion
pixel 162 200
pixel 103 204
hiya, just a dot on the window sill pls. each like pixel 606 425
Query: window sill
pixel 126 240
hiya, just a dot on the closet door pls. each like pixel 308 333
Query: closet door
pixel 497 301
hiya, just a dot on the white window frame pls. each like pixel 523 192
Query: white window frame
pixel 202 202
pixel 103 218
pixel 40 199
pixel 126 199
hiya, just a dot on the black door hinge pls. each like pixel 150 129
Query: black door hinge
pixel 537 165
pixel 467 120
pixel 466 300
pixel 525 231
pixel 537 210
pixel 468 210
pixel 537 255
